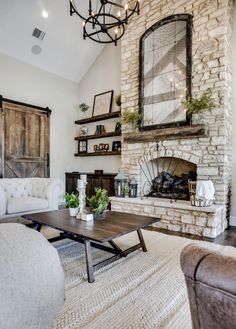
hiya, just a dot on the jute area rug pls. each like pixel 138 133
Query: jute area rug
pixel 143 290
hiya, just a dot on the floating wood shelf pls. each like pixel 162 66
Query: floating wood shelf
pixel 99 118
pixel 195 131
pixel 103 135
pixel 102 153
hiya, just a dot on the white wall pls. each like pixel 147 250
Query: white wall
pixel 233 201
pixel 103 75
pixel 25 83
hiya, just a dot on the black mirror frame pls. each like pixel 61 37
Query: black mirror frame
pixel 173 18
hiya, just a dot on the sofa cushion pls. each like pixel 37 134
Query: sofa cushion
pixel 15 205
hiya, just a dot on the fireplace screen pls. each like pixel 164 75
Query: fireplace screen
pixel 167 177
pixel 165 72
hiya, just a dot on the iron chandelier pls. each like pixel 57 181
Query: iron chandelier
pixel 106 19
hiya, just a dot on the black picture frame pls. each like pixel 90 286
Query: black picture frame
pixel 118 126
pixel 83 146
pixel 102 103
pixel 116 146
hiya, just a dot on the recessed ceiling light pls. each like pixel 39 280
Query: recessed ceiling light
pixel 44 14
pixel 36 50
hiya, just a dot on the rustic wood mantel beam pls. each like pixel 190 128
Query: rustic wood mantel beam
pixel 185 132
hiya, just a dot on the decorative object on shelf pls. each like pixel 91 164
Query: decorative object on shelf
pixel 119 182
pixel 126 190
pixel 102 23
pixel 166 79
pixel 133 187
pixel 118 100
pixel 101 147
pixel 102 103
pixel 98 202
pixel 83 107
pixel 202 193
pixel 100 129
pixel 72 203
pixel 118 126
pixel 83 146
pixel 116 146
pixel 84 131
pixel 199 104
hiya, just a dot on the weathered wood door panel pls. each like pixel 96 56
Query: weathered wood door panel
pixel 24 141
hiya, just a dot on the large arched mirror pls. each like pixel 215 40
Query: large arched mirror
pixel 165 72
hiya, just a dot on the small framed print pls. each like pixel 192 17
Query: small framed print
pixel 118 126
pixel 116 146
pixel 102 103
pixel 83 146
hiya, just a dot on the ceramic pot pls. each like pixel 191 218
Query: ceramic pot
pixel 73 211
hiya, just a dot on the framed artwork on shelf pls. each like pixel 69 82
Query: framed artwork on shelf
pixel 118 126
pixel 102 103
pixel 116 146
pixel 83 146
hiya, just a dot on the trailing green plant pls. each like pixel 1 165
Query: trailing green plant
pixel 130 117
pixel 199 104
pixel 126 189
pixel 83 107
pixel 72 200
pixel 98 202
pixel 118 100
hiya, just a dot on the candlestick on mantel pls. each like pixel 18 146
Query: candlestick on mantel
pixel 83 178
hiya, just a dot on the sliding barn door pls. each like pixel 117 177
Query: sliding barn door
pixel 24 141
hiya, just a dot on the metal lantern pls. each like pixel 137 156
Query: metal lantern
pixel 133 187
pixel 120 181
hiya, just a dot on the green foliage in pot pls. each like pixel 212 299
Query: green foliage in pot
pixel 72 200
pixel 126 189
pixel 118 100
pixel 98 202
pixel 199 104
pixel 83 107
pixel 130 117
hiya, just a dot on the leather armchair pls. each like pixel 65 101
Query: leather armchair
pixel 211 283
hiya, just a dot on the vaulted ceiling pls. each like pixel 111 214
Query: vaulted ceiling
pixel 63 50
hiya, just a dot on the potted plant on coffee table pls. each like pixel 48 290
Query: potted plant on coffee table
pixel 98 202
pixel 72 202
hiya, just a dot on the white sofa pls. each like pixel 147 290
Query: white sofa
pixel 20 196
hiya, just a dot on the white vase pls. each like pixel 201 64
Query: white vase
pixel 73 211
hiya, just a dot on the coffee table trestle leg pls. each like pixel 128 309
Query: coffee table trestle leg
pixel 141 239
pixel 89 261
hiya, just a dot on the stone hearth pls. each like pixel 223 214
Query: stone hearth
pixel 210 150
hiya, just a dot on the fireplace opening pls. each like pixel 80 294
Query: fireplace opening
pixel 167 177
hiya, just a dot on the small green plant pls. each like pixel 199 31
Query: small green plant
pixel 71 200
pixel 126 189
pixel 98 202
pixel 199 104
pixel 118 100
pixel 130 117
pixel 83 107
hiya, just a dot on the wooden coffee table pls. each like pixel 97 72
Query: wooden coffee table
pixel 95 233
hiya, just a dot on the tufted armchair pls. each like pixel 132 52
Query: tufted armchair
pixel 23 195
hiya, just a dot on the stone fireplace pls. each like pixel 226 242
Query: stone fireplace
pixel 205 147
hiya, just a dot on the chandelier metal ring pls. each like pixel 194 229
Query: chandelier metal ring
pixel 106 33
pixel 103 20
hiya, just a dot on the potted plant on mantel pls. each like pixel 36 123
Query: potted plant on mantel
pixel 72 202
pixel 130 118
pixel 98 202
pixel 199 104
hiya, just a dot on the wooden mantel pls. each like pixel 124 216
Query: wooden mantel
pixel 183 132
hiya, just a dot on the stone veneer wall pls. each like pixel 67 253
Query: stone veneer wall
pixel 211 57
